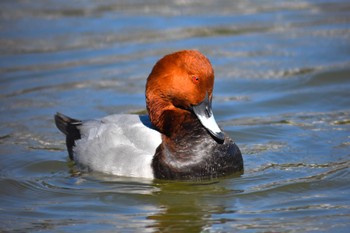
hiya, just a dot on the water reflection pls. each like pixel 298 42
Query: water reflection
pixel 189 207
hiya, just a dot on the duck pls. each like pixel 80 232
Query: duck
pixel 179 138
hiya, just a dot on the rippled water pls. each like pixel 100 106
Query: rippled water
pixel 282 92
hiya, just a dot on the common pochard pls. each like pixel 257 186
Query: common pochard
pixel 178 139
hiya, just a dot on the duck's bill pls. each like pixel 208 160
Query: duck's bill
pixel 205 115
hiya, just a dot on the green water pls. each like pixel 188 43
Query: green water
pixel 282 92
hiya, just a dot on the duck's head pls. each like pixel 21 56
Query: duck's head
pixel 183 82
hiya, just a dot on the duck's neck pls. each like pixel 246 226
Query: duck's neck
pixel 179 124
pixel 167 118
pixel 186 139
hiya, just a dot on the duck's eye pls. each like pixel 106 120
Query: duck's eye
pixel 195 79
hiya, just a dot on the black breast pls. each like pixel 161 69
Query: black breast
pixel 196 155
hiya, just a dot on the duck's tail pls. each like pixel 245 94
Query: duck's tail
pixel 70 127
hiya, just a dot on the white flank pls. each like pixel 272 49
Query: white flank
pixel 117 144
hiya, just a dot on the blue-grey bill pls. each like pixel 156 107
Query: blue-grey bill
pixel 205 115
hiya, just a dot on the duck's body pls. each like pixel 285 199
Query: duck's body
pixel 120 144
pixel 178 140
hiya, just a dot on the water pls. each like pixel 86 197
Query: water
pixel 282 92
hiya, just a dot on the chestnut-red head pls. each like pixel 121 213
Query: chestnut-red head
pixel 182 81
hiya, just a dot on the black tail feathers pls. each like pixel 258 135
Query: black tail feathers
pixel 65 124
pixel 69 127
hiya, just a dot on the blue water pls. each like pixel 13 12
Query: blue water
pixel 281 91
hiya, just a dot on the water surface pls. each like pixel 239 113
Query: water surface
pixel 281 91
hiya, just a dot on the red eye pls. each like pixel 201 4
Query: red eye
pixel 195 79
